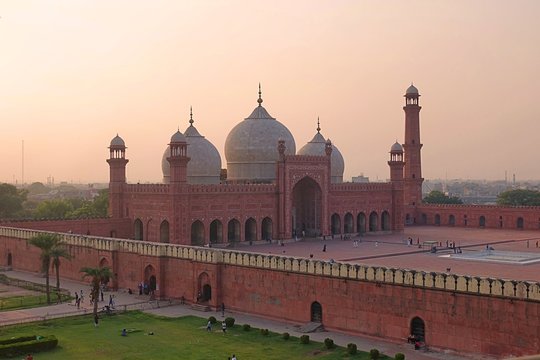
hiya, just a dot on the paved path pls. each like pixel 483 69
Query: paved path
pixel 123 298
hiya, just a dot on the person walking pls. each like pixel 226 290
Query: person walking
pixel 224 327
pixel 209 326
pixel 96 320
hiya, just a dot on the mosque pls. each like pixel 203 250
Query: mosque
pixel 269 191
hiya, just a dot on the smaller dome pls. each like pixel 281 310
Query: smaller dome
pixel 178 137
pixel 412 90
pixel 118 141
pixel 396 147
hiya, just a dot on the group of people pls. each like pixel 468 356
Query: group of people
pixel 79 298
pixel 415 340
pixel 223 326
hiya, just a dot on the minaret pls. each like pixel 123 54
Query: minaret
pixel 396 164
pixel 117 178
pixel 178 159
pixel 413 163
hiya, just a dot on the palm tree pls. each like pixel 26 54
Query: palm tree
pixel 98 276
pixel 57 252
pixel 46 242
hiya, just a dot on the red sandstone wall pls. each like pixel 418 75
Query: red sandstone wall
pixel 465 322
pixel 495 216
pixel 120 228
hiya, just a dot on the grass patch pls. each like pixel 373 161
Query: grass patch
pixel 29 301
pixel 174 338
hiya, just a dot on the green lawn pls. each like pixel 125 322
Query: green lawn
pixel 178 338
pixel 28 301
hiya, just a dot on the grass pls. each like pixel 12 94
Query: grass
pixel 174 338
pixel 28 301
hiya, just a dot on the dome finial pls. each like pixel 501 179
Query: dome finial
pixel 190 116
pixel 318 125
pixel 260 100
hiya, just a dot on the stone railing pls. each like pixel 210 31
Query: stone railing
pixel 379 275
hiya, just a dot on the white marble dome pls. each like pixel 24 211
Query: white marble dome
pixel 204 166
pixel 316 147
pixel 251 147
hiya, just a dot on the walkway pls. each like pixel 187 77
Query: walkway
pixel 123 298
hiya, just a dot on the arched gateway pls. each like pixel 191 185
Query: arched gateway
pixel 307 207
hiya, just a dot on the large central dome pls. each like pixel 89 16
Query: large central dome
pixel 251 147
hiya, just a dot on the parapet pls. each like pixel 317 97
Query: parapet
pixel 455 283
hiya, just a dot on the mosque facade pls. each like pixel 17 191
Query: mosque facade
pixel 271 190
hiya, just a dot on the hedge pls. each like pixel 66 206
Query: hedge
pixel 26 344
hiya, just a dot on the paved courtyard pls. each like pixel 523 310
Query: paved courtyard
pixel 392 251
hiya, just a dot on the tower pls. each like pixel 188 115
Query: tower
pixel 117 176
pixel 178 159
pixel 412 146
pixel 396 164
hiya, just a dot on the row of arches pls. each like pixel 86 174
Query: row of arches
pixel 363 224
pixel 234 232
pixel 481 221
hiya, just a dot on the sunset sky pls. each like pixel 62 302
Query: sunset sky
pixel 73 74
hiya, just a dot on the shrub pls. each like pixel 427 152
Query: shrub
pixel 399 356
pixel 229 322
pixel 351 349
pixel 374 354
pixel 265 332
pixel 27 344
pixel 246 327
pixel 212 320
pixel 304 339
pixel 286 336
pixel 329 343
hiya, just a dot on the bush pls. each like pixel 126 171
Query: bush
pixel 27 344
pixel 304 339
pixel 329 343
pixel 374 354
pixel 286 336
pixel 246 327
pixel 229 322
pixel 265 332
pixel 212 320
pixel 351 349
pixel 399 356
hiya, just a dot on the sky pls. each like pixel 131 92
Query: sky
pixel 73 74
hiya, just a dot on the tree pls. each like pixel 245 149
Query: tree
pixel 519 197
pixel 57 252
pixel 53 209
pixel 11 201
pixel 98 276
pixel 438 197
pixel 46 243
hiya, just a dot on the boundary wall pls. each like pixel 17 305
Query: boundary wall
pixel 464 313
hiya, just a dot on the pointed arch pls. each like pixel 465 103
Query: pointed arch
pixel 348 223
pixel 216 232
pixel 307 207
pixel 451 220
pixel 418 329
pixel 164 232
pixel 519 223
pixel 266 229
pixel 250 230
pixel 361 223
pixel 197 233
pixel 316 312
pixel 482 221
pixel 335 222
pixel 437 219
pixel 138 229
pixel 233 231
pixel 385 221
pixel 373 221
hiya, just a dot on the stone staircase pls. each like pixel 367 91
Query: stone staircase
pixel 311 327
pixel 200 307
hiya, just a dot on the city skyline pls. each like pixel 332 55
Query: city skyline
pixel 77 73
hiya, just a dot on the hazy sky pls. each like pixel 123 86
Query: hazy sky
pixel 75 73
